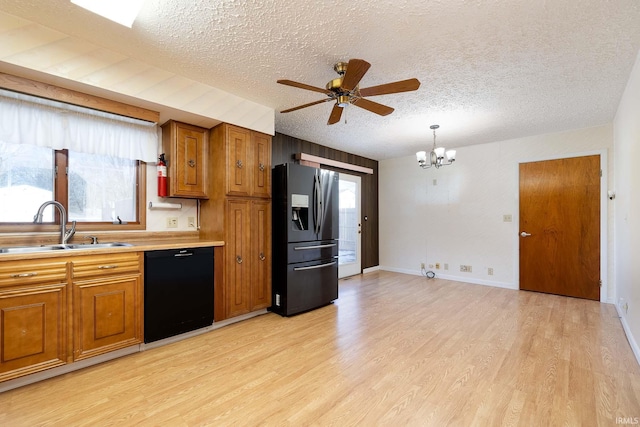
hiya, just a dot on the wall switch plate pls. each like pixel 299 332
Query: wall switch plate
pixel 422 265
pixel 172 222
pixel 490 271
pixel 437 266
pixel 191 221
pixel 465 268
pixel 507 218
pixel 446 266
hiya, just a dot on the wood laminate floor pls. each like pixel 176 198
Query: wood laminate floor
pixel 394 350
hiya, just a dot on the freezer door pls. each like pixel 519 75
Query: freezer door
pixel 311 285
pixel 309 251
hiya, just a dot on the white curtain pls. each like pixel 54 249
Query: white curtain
pixel 29 120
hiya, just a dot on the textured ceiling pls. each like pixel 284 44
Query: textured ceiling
pixel 490 70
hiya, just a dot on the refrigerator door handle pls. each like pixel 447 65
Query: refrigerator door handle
pixel 304 248
pixel 313 267
pixel 318 203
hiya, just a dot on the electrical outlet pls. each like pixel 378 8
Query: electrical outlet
pixel 172 222
pixel 430 265
pixel 490 271
pixel 446 266
pixel 625 307
pixel 191 221
pixel 437 266
pixel 422 266
pixel 465 268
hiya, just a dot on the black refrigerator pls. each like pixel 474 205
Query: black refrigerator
pixel 305 238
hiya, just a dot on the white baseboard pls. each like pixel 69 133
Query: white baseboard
pixel 627 332
pixel 472 280
pixel 371 269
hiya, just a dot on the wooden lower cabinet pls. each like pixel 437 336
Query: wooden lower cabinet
pixel 33 317
pixel 107 304
pixel 247 256
pixel 55 311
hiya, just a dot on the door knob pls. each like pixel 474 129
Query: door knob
pixel 525 234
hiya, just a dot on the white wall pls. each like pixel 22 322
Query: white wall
pixel 459 219
pixel 157 219
pixel 627 207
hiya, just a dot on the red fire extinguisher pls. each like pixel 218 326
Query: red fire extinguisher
pixel 162 176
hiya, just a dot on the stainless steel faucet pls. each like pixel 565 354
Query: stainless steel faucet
pixel 65 234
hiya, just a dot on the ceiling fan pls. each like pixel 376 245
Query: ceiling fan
pixel 345 90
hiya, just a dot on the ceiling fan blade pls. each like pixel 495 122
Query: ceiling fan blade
pixel 356 69
pixel 336 113
pixel 374 107
pixel 303 86
pixel 395 87
pixel 306 105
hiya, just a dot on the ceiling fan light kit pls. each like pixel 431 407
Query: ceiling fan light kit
pixel 436 156
pixel 345 90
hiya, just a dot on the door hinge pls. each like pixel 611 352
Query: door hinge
pixel 600 173
pixel 600 283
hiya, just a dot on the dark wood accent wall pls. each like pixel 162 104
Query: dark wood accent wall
pixel 285 147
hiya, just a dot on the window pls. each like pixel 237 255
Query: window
pixel 94 188
pixel 86 160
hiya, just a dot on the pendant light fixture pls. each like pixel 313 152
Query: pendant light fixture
pixel 436 156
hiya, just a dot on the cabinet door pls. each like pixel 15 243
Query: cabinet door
pixel 261 254
pixel 33 329
pixel 186 147
pixel 237 257
pixel 261 165
pixel 107 303
pixel 107 315
pixel 238 162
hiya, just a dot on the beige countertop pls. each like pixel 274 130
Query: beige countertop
pixel 136 246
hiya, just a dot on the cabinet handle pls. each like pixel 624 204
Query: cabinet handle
pixel 192 163
pixel 15 276
pixel 261 167
pixel 107 267
pixel 239 164
pixel 239 259
pixel 262 257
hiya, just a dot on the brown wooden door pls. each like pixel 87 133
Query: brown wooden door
pixel 260 254
pixel 261 165
pixel 238 162
pixel 237 257
pixel 560 209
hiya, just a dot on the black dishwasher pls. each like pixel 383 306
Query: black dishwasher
pixel 178 291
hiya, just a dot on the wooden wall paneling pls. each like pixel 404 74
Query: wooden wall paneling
pixel 284 148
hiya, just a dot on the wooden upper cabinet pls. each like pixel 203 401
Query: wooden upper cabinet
pixel 247 161
pixel 261 150
pixel 186 150
pixel 238 161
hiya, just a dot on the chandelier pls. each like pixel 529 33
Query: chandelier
pixel 436 156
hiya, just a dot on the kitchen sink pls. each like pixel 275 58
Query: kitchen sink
pixel 97 245
pixel 29 249
pixel 46 248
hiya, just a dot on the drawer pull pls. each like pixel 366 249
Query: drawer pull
pixel 239 164
pixel 239 259
pixel 262 257
pixel 261 167
pixel 107 267
pixel 192 163
pixel 18 275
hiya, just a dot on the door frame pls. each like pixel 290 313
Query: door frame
pixel 604 217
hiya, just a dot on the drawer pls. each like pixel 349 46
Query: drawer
pixel 26 272
pixel 104 265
